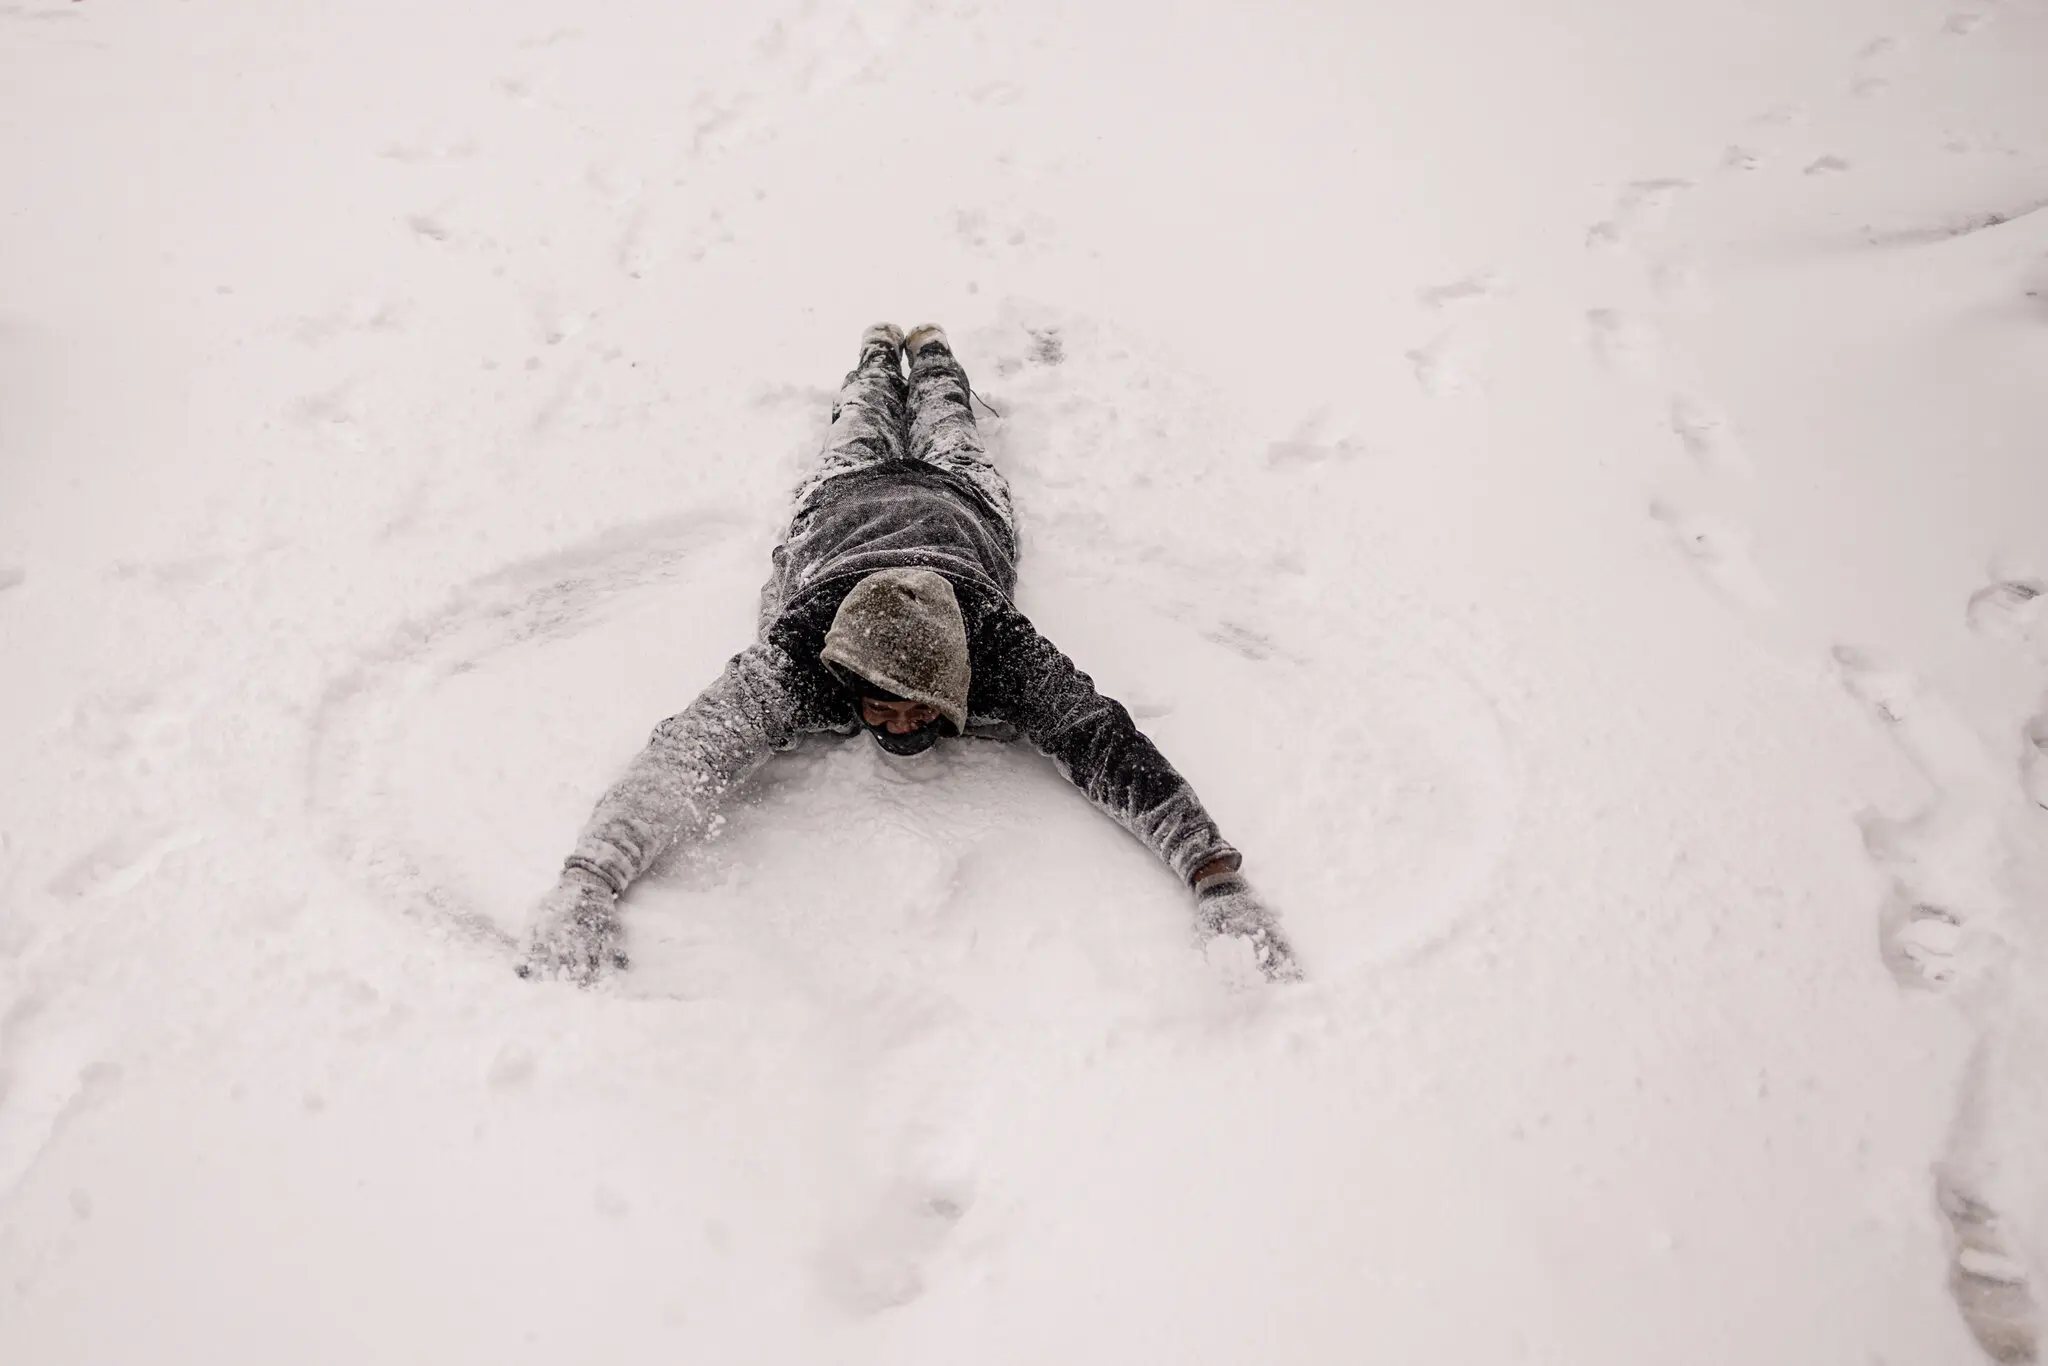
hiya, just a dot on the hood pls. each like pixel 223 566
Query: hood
pixel 901 629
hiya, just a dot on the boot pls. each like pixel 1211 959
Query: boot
pixel 926 334
pixel 879 340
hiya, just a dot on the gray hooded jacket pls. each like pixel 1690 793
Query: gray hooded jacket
pixel 891 515
pixel 902 630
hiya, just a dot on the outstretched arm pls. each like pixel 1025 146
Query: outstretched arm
pixel 1101 751
pixel 1094 742
pixel 675 786
pixel 672 790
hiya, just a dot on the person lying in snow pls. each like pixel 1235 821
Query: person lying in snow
pixel 889 609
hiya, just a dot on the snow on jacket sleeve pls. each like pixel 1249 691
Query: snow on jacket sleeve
pixel 1095 744
pixel 674 787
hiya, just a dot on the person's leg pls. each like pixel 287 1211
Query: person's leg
pixel 942 427
pixel 868 422
pixel 868 416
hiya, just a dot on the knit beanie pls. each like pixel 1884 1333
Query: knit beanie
pixel 901 629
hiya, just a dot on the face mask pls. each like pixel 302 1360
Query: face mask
pixel 916 742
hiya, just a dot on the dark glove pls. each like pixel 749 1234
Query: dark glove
pixel 576 933
pixel 1225 904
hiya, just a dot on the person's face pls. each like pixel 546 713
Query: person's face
pixel 898 718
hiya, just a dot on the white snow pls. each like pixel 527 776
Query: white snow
pixel 1566 482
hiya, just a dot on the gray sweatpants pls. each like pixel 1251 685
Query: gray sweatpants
pixel 878 416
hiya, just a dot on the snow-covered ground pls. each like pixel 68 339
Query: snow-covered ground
pixel 1567 482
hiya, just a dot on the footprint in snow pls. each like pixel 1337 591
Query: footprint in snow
pixel 1480 284
pixel 656 232
pixel 522 88
pixel 1300 454
pixel 1888 693
pixel 137 733
pixel 335 416
pixel 1938 741
pixel 1241 640
pixel 120 864
pixel 611 185
pixel 1044 345
pixel 1867 82
pixel 1439 369
pixel 427 228
pixel 1930 861
pixel 2011 608
pixel 1829 164
pixel 1718 553
pixel 1641 204
pixel 49 1072
pixel 512 1067
pixel 429 149
pixel 1705 438
pixel 555 37
pixel 555 322
pixel 366 313
pixel 2034 761
pixel 638 251
pixel 1622 344
pixel 876 1260
pixel 1643 197
pixel 1313 443
pixel 1679 275
pixel 1918 940
pixel 1990 1284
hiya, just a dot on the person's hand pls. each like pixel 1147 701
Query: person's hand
pixel 1226 905
pixel 576 932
